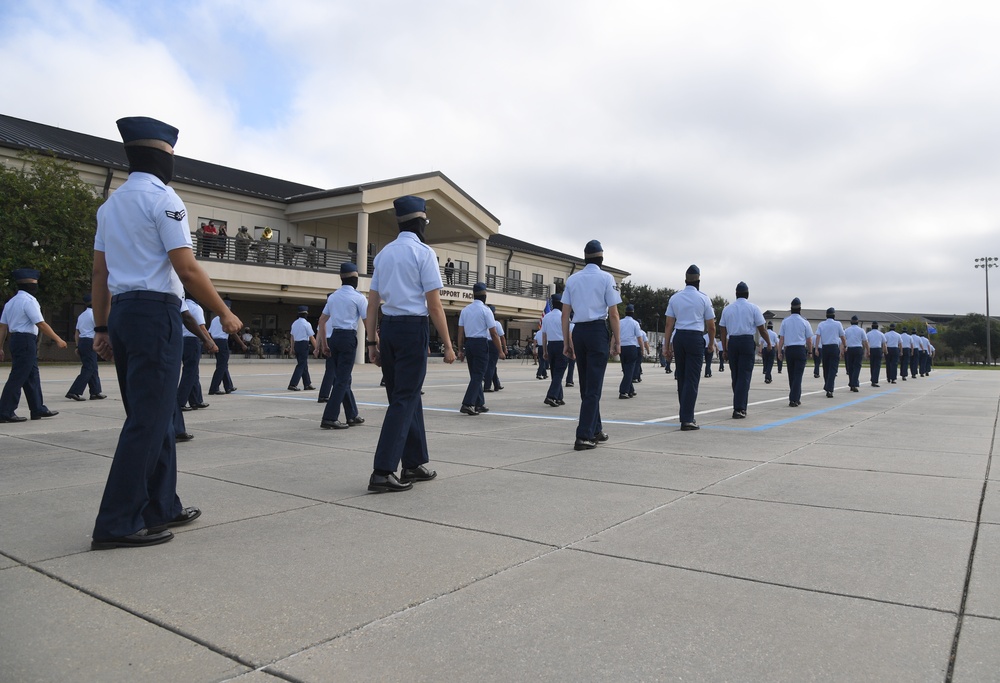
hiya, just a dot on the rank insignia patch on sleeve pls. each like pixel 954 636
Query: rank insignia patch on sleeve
pixel 177 215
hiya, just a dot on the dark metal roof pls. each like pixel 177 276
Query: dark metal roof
pixel 78 147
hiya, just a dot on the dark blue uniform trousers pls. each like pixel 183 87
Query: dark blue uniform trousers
pixel 891 364
pixel 742 351
pixel 88 376
pixel 875 363
pixel 904 363
pixel 302 365
pixel 221 376
pixel 557 367
pixel 477 356
pixel 831 363
pixel 795 358
pixel 492 379
pixel 630 360
pixel 343 348
pixel 141 491
pixel 191 358
pixel 403 345
pixel 591 342
pixel 914 362
pixel 570 365
pixel 690 352
pixel 23 375
pixel 767 358
pixel 853 360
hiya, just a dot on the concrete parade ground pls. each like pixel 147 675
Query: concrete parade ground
pixel 850 539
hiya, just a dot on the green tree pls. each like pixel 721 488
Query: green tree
pixel 718 303
pixel 48 214
pixel 968 333
pixel 649 304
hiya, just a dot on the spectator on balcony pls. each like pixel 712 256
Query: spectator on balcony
pixel 221 240
pixel 288 252
pixel 449 271
pixel 311 255
pixel 243 241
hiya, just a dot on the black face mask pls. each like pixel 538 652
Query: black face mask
pixel 415 225
pixel 151 160
pixel 350 281
pixel 29 287
pixel 480 297
pixel 596 260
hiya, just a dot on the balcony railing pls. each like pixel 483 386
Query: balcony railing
pixel 264 253
pixel 274 255
pixel 497 283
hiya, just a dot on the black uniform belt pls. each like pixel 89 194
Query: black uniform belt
pixel 405 318
pixel 740 336
pixel 602 321
pixel 26 334
pixel 143 295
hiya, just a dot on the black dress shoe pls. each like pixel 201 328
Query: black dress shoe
pixel 183 436
pixel 310 388
pixel 291 388
pixel 631 394
pixel 560 402
pixel 638 380
pixel 689 426
pixel 186 516
pixel 584 445
pixel 229 391
pixel 499 388
pixel 855 389
pixel 829 394
pixel 186 409
pixel 47 413
pixel 815 375
pixel 139 539
pixel 97 397
pixel 487 391
pixel 420 473
pixel 601 437
pixel 355 421
pixel 739 414
pixel 12 418
pixel 468 410
pixel 76 397
pixel 215 393
pixel 333 424
pixel 569 384
pixel 323 399
pixel 482 409
pixel 550 402
pixel 624 396
pixel 387 484
pixel 794 404
pixel 199 405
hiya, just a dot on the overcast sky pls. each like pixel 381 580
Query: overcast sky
pixel 847 153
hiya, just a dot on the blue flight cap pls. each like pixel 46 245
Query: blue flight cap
pixel 741 288
pixel 493 309
pixel 629 308
pixel 410 207
pixel 303 309
pixel 692 274
pixel 831 312
pixel 144 131
pixel 892 326
pixel 796 303
pixel 348 269
pixel 478 287
pixel 556 297
pixel 854 319
pixel 593 248
pixel 25 274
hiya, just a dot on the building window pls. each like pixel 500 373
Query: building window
pixel 537 284
pixel 491 277
pixel 463 272
pixel 513 281
pixel 558 284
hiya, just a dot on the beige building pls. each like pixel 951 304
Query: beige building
pixel 299 235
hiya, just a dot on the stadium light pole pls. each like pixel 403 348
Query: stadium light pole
pixel 987 262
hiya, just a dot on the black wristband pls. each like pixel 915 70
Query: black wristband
pixel 101 328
